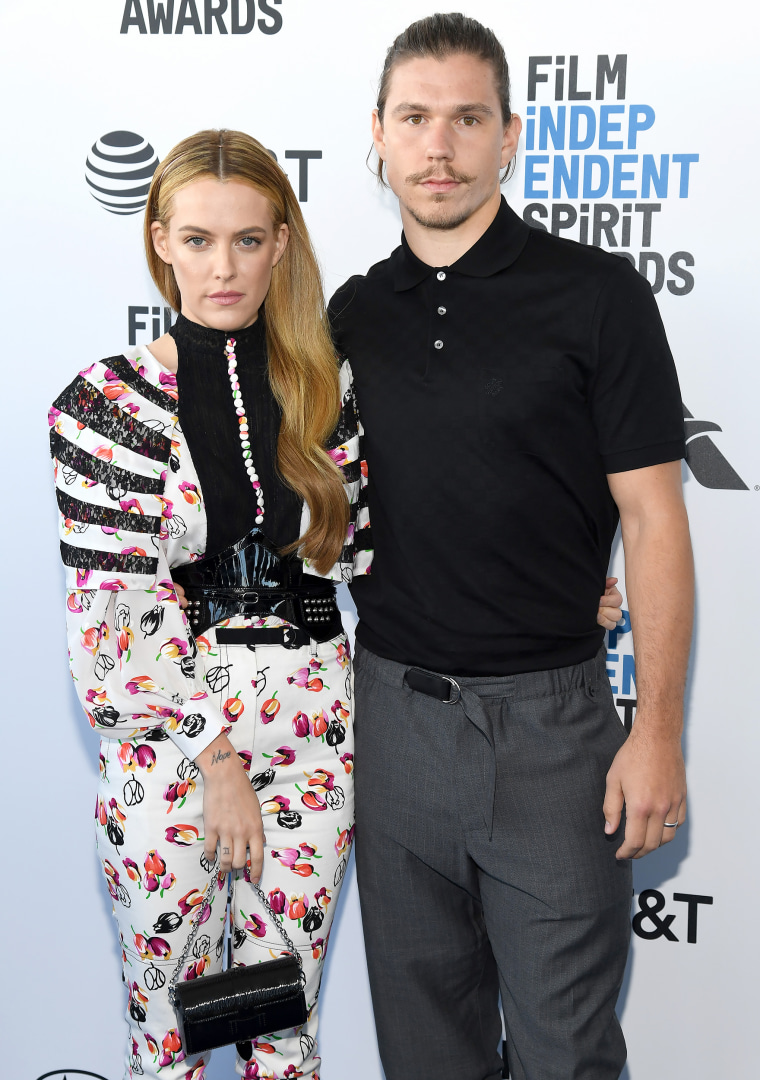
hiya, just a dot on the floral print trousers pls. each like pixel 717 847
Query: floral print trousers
pixel 289 715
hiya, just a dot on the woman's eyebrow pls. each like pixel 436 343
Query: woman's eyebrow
pixel 206 232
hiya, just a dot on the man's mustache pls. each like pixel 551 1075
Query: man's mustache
pixel 434 173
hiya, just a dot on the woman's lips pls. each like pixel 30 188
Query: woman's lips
pixel 225 298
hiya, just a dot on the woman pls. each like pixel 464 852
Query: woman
pixel 237 424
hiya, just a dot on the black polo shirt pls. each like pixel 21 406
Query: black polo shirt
pixel 496 395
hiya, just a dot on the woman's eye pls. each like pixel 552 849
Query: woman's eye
pixel 196 241
pixel 250 241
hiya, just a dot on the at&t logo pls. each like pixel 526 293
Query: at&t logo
pixel 121 164
pixel 119 170
pixel 651 922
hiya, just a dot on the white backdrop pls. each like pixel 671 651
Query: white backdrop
pixel 303 79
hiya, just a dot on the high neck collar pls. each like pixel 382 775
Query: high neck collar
pixel 209 341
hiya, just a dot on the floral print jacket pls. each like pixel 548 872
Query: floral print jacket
pixel 131 508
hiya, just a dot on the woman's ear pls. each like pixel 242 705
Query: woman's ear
pixel 161 242
pixel 280 243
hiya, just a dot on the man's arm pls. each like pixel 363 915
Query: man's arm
pixel 647 773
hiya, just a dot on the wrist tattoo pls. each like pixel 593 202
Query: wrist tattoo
pixel 219 756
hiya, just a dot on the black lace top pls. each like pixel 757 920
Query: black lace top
pixel 210 425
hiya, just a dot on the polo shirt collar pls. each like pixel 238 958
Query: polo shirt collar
pixel 498 247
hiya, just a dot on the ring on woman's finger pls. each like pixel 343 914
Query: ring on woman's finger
pixel 670 824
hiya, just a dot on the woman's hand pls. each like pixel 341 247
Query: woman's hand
pixel 231 811
pixel 183 601
pixel 610 605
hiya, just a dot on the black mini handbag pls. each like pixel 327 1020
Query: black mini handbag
pixel 242 1003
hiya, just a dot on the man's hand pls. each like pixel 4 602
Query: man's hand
pixel 610 605
pixel 647 775
pixel 231 811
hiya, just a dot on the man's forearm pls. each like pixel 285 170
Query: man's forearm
pixel 647 774
pixel 659 578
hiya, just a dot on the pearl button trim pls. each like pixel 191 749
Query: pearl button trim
pixel 245 441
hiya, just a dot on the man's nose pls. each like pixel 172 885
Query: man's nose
pixel 440 144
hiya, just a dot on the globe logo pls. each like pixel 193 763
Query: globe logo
pixel 119 169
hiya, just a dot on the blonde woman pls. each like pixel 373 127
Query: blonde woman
pixel 225 454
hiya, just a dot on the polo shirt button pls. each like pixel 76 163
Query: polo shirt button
pixel 441 310
pixel 438 344
pixel 441 276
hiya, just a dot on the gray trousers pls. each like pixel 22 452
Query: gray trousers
pixel 484 870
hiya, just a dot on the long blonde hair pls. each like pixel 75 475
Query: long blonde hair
pixel 303 371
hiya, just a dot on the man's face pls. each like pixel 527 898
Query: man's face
pixel 443 139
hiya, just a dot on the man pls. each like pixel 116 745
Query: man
pixel 518 395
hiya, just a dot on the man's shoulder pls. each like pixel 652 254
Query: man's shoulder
pixel 355 302
pixel 378 276
pixel 569 256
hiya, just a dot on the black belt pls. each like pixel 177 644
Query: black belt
pixel 251 579
pixel 441 687
pixel 312 610
pixel 291 637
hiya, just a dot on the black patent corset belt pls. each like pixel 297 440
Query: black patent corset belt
pixel 250 578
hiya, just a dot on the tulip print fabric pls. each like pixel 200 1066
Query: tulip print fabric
pixel 116 444
pixel 289 718
pixel 131 508
pixel 133 658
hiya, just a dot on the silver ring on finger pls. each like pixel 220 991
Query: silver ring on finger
pixel 670 824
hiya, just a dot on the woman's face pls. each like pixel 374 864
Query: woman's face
pixel 221 244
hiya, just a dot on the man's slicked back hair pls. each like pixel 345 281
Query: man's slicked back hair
pixel 439 36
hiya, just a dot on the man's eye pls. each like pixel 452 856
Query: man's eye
pixel 469 121
pixel 415 120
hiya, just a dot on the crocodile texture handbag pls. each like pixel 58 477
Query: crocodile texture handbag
pixel 242 1003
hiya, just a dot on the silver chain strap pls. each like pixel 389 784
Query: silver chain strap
pixel 197 922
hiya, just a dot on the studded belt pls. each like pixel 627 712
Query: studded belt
pixel 250 578
pixel 315 611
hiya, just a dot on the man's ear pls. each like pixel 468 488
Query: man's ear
pixel 378 136
pixel 160 241
pixel 511 139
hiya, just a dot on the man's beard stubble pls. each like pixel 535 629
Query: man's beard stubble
pixel 443 219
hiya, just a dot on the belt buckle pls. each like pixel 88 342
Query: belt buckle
pixel 249 598
pixel 429 682
pixel 454 686
pixel 289 637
